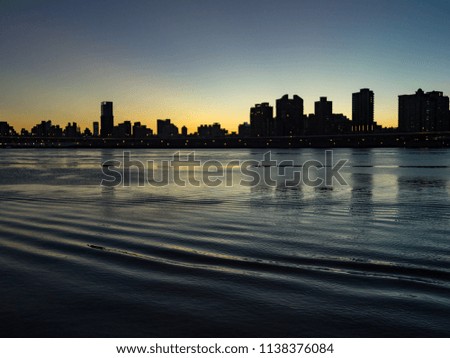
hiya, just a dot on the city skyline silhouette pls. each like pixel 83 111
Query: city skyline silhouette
pixel 204 62
pixel 419 112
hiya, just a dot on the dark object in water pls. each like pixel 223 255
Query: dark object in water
pixel 96 247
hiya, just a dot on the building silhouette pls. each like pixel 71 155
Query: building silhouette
pixel 71 130
pixel 423 112
pixel 96 129
pixel 323 108
pixel 184 131
pixel 46 129
pixel 325 122
pixel 123 130
pixel 141 131
pixel 166 129
pixel 244 130
pixel 363 111
pixel 211 131
pixel 6 129
pixel 290 120
pixel 87 132
pixel 261 120
pixel 106 119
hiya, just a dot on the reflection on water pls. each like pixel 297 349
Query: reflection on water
pixel 370 258
pixel 429 194
pixel 361 203
pixel 422 183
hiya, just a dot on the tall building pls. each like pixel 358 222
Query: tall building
pixel 325 122
pixel 261 120
pixel 106 119
pixel 423 112
pixel 363 111
pixel 165 129
pixel 289 119
pixel 323 108
pixel 95 129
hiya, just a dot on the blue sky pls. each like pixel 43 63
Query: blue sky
pixel 203 61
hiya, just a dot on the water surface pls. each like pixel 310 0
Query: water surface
pixel 367 259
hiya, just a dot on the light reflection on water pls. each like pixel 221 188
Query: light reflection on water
pixel 370 258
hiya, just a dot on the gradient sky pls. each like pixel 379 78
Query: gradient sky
pixel 199 62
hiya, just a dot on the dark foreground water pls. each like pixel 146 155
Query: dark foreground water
pixel 367 259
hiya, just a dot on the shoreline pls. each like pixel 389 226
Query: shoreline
pixel 366 140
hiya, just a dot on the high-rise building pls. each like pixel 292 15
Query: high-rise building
pixel 166 129
pixel 107 119
pixel 325 122
pixel 95 129
pixel 363 111
pixel 261 120
pixel 423 112
pixel 323 108
pixel 290 120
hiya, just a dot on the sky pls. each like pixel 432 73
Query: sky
pixel 204 61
